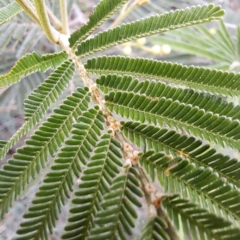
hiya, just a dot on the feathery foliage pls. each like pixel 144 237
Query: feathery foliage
pixel 31 63
pixel 198 223
pixel 199 78
pixel 39 101
pixel 100 172
pixel 117 214
pixel 100 14
pixel 149 137
pixel 150 177
pixel 31 158
pixel 179 176
pixel 149 26
pixel 193 120
pixel 8 12
pixel 157 90
pixel 44 210
pixel 154 229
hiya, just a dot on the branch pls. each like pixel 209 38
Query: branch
pixel 29 10
pixel 126 10
pixel 50 32
pixel 64 16
pixel 55 21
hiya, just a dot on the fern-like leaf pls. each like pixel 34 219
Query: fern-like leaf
pixel 8 12
pixel 149 137
pixel 116 218
pixel 31 63
pixel 101 13
pixel 39 100
pixel 149 26
pixel 184 117
pixel 30 159
pixel 76 152
pixel 156 90
pixel 200 185
pixel 198 223
pixel 154 229
pixel 226 83
pixel 99 173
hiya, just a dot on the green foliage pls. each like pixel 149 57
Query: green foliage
pixel 103 167
pixel 197 222
pixel 178 145
pixel 182 116
pixel 157 90
pixel 149 26
pixel 30 159
pixel 100 14
pixel 217 46
pixel 39 101
pixel 59 181
pixel 8 12
pixel 31 63
pixel 213 81
pixel 150 177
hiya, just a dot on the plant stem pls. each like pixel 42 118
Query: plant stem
pixel 125 11
pixel 55 21
pixel 64 16
pixel 44 20
pixel 29 10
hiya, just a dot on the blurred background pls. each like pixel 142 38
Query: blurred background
pixel 213 45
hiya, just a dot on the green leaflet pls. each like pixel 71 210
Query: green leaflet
pixel 156 90
pixel 101 13
pixel 149 26
pixel 8 12
pixel 103 167
pixel 200 185
pixel 39 101
pixel 149 137
pixel 199 41
pixel 31 158
pixel 208 126
pixel 60 180
pixel 117 215
pixel 31 63
pixel 154 229
pixel 198 78
pixel 198 223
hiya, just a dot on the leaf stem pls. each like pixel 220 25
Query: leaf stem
pixel 126 10
pixel 64 16
pixel 29 9
pixel 55 21
pixel 44 20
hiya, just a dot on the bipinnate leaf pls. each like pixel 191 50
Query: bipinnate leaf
pixel 149 137
pixel 33 156
pixel 117 216
pixel 40 100
pixel 31 63
pixel 149 26
pixel 99 173
pixel 198 78
pixel 60 180
pixel 199 184
pixel 8 12
pixel 100 13
pixel 197 222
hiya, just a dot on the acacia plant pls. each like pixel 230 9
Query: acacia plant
pixel 130 153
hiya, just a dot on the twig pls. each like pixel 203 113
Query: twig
pixel 29 10
pixel 55 21
pixel 64 16
pixel 44 20
pixel 126 10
